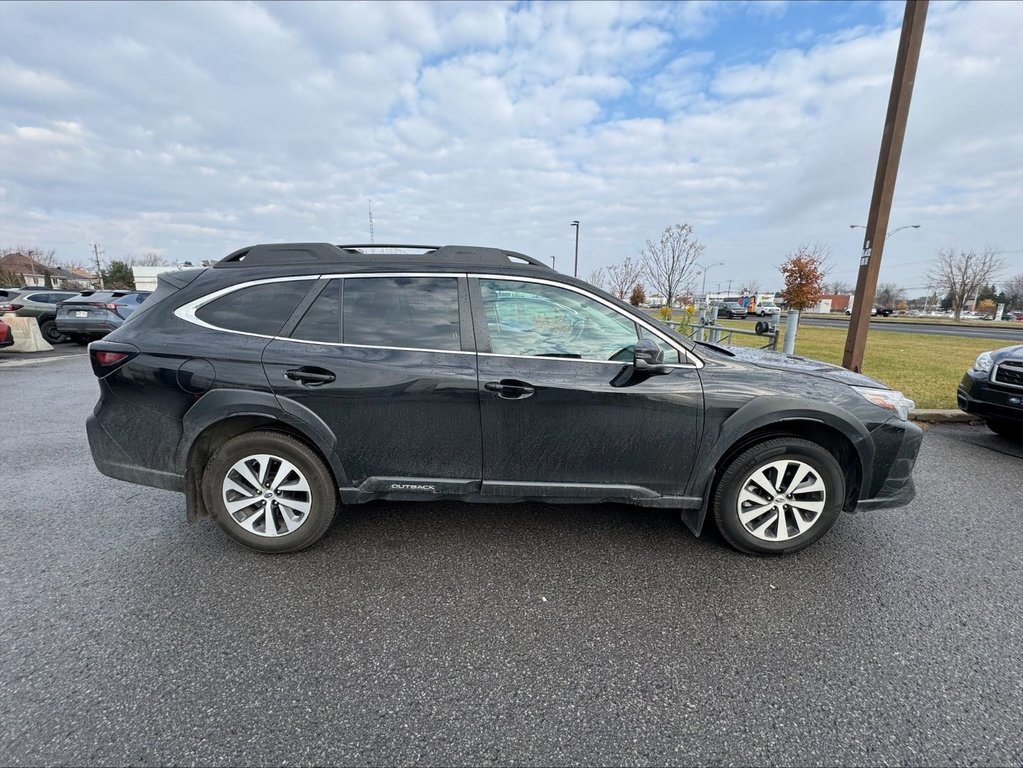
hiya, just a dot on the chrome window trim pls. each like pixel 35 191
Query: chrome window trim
pixel 187 312
pixel 372 346
pixel 688 354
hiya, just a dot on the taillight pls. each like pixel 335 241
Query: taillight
pixel 107 356
pixel 10 307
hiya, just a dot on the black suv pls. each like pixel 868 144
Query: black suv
pixel 287 378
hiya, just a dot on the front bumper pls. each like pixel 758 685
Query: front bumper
pixel 896 444
pixel 975 395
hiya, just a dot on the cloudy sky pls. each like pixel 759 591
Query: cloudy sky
pixel 191 130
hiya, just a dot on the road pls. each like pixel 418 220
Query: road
pixel 1009 335
pixel 455 634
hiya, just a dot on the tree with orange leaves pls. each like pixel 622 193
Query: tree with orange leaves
pixel 804 272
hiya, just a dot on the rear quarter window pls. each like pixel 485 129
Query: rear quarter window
pixel 260 309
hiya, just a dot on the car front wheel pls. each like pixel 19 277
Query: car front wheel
pixel 270 492
pixel 779 496
pixel 1008 429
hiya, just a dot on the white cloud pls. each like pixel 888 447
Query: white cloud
pixel 193 129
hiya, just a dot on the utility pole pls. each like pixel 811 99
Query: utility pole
pixel 99 266
pixel 371 221
pixel 884 180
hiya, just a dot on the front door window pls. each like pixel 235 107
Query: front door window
pixel 538 320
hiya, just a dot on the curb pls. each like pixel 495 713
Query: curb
pixel 940 416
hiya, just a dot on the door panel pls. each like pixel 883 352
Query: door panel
pixel 380 359
pixel 552 421
pixel 395 413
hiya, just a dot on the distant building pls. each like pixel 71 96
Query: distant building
pixel 839 302
pixel 145 277
pixel 28 271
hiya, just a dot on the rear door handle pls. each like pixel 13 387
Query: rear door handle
pixel 314 377
pixel 510 389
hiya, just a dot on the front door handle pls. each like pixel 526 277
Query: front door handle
pixel 510 389
pixel 314 377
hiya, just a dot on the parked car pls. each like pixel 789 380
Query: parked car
pixel 765 308
pixel 732 309
pixel 94 314
pixel 993 390
pixel 40 303
pixel 287 378
pixel 6 335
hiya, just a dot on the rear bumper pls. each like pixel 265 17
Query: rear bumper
pixel 897 445
pixel 85 326
pixel 113 461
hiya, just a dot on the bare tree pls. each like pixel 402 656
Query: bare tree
pixel 148 259
pixel 622 277
pixel 888 295
pixel 598 278
pixel 1014 291
pixel 668 264
pixel 961 274
pixel 749 287
pixel 837 287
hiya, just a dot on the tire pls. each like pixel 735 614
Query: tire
pixel 1007 429
pixel 299 500
pixel 48 328
pixel 771 467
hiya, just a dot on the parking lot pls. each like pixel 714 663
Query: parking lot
pixel 450 633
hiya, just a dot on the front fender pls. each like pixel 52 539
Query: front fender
pixel 773 412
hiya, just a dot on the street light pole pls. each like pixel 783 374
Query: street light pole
pixel 705 270
pixel 897 229
pixel 575 272
pixel 553 264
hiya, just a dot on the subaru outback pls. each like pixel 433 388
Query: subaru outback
pixel 287 381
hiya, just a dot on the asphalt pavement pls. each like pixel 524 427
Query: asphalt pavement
pixel 452 634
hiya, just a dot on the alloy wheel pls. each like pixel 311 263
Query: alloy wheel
pixel 267 495
pixel 781 500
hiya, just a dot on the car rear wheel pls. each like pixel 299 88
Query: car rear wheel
pixel 779 496
pixel 270 492
pixel 48 328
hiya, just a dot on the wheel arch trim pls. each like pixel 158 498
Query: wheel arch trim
pixel 220 406
pixel 772 414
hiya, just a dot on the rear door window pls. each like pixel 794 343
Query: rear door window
pixel 405 312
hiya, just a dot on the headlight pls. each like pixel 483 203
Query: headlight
pixel 889 399
pixel 983 362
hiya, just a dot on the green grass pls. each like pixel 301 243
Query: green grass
pixel 926 368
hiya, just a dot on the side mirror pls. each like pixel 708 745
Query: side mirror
pixel 649 358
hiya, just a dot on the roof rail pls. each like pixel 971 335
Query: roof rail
pixel 389 245
pixel 294 254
